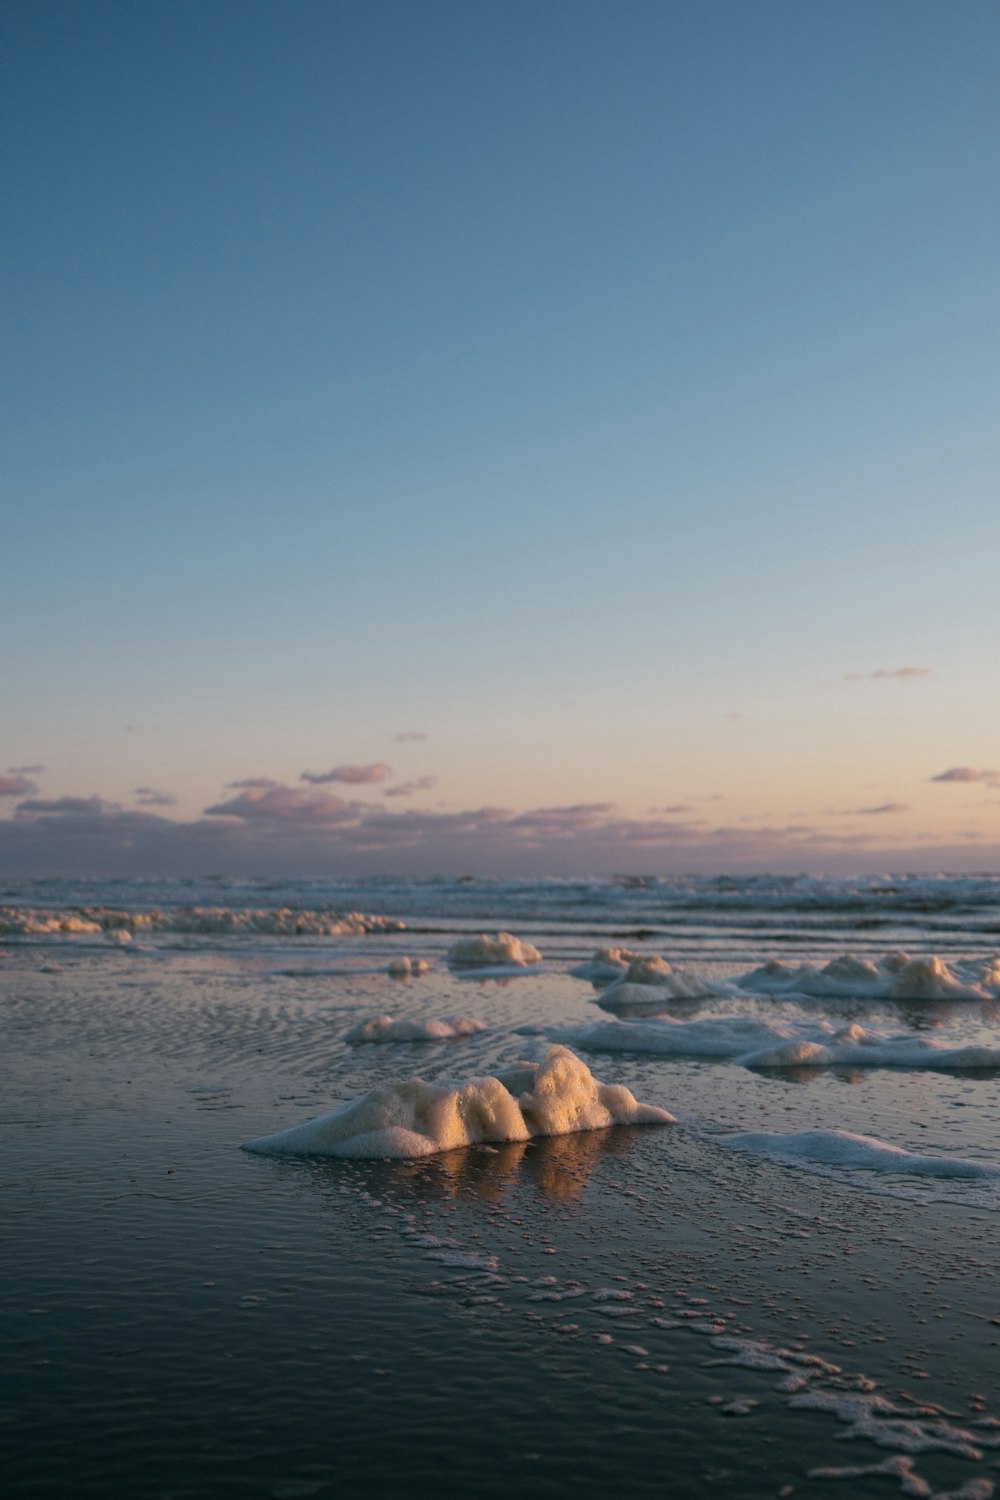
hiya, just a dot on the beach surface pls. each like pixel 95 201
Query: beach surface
pixel 793 1282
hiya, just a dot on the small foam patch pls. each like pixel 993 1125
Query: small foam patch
pixel 486 952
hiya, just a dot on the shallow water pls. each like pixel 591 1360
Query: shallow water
pixel 182 1318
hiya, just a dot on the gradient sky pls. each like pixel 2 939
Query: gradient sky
pixel 605 392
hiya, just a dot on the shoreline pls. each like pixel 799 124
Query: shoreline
pixel 185 1319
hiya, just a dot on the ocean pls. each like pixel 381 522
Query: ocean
pixel 791 1289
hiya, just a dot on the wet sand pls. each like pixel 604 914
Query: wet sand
pixel 184 1319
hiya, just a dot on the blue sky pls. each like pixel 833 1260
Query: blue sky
pixel 604 391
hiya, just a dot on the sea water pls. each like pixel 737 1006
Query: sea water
pixel 807 1254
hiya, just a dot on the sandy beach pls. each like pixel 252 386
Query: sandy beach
pixel 638 1308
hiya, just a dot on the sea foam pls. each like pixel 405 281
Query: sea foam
pixel 279 922
pixel 756 1042
pixel 841 1148
pixel 486 952
pixel 407 968
pixel 896 976
pixel 633 981
pixel 556 1097
pixel 606 965
pixel 385 1029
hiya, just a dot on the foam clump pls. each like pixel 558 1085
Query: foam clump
pixel 19 922
pixel 405 968
pixel 639 981
pixel 890 1426
pixel 910 1482
pixel 842 1148
pixel 896 976
pixel 556 1097
pixel 647 968
pixel 16 921
pixel 606 965
pixel 385 1029
pixel 757 1042
pixel 484 952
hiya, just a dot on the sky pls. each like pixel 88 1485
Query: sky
pixel 565 430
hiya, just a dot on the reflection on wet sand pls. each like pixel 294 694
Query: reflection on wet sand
pixel 810 1075
pixel 559 1166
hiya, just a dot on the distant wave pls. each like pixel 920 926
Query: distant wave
pixel 112 921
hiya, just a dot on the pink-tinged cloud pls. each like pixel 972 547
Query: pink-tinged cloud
pixel 409 736
pixel 969 773
pixel 881 807
pixel 148 796
pixel 26 770
pixel 280 830
pixel 283 804
pixel 897 674
pixel 58 807
pixel 407 788
pixel 252 781
pixel 352 775
pixel 16 786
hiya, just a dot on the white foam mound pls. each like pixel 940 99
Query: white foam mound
pixel 385 1029
pixel 759 1043
pixel 648 989
pixel 556 1097
pixel 639 980
pixel 841 1148
pixel 485 952
pixel 606 965
pixel 647 968
pixel 403 968
pixel 897 976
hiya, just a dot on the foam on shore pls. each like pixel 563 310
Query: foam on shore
pixel 281 922
pixel 756 1042
pixel 556 1097
pixel 635 981
pixel 385 1029
pixel 842 1148
pixel 606 965
pixel 406 968
pixel 486 952
pixel 897 976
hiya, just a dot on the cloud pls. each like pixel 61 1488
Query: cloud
pixel 273 803
pixel 16 786
pixel 252 781
pixel 277 830
pixel 63 806
pixel 26 770
pixel 561 822
pixel 897 674
pixel 882 807
pixel 353 775
pixel 968 773
pixel 148 796
pixel 407 788
pixel 408 736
